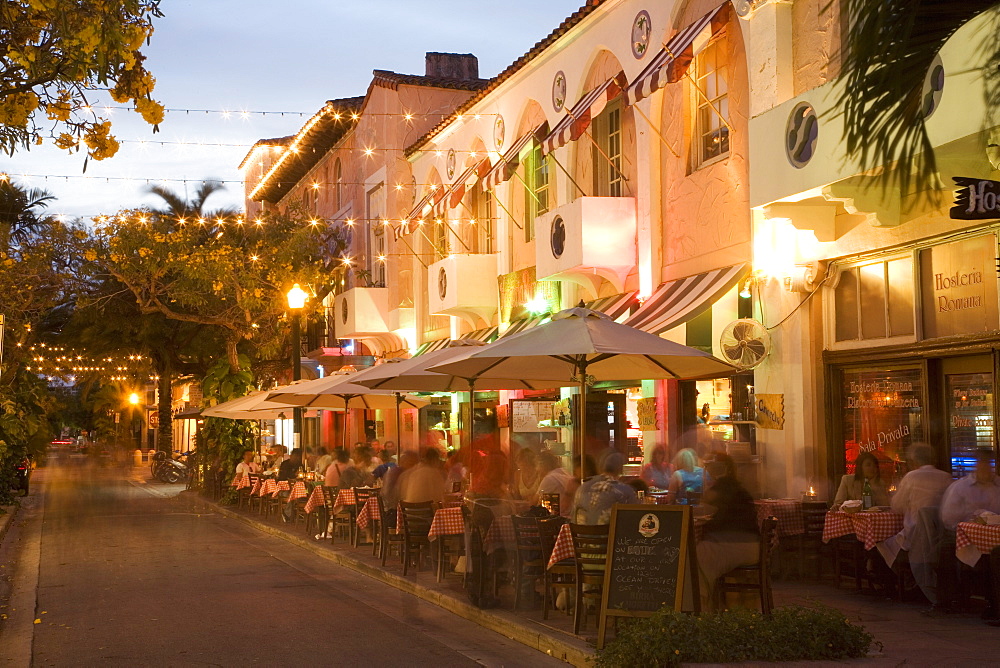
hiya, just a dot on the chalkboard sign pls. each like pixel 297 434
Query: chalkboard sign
pixel 650 562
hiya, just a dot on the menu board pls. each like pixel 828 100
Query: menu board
pixel 650 562
pixel 525 415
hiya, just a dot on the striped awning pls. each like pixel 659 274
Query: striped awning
pixel 486 335
pixel 432 197
pixel 456 191
pixel 614 306
pixel 676 302
pixel 676 55
pixel 576 121
pixel 509 161
pixel 525 323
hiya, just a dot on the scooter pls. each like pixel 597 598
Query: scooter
pixel 167 470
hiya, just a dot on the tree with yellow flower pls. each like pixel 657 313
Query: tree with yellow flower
pixel 54 53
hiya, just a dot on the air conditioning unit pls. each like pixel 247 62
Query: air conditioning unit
pixel 464 285
pixel 361 312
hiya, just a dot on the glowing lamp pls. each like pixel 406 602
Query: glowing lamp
pixel 297 297
pixel 538 305
pixel 133 399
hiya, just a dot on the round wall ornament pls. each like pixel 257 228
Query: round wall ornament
pixel 557 237
pixel 642 28
pixel 559 90
pixel 450 163
pixel 801 134
pixel 930 98
pixel 442 283
pixel 343 310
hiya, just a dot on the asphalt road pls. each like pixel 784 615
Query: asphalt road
pixel 106 568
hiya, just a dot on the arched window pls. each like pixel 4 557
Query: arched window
pixel 338 185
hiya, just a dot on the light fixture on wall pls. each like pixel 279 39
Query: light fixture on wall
pixel 806 277
pixel 745 288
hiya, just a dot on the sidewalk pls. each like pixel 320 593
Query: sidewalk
pixel 908 637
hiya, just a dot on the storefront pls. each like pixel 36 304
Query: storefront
pixel 916 345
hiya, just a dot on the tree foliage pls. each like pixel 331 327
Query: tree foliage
pixel 888 51
pixel 54 53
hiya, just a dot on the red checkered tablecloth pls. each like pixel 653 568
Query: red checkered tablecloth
pixel 563 548
pixel 241 481
pixel 870 528
pixel 299 491
pixel 369 513
pixel 501 534
pixel 446 522
pixel 788 513
pixel 271 487
pixel 345 497
pixel 315 499
pixel 973 540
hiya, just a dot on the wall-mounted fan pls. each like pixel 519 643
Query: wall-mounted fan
pixel 745 343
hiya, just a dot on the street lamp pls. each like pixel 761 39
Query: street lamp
pixel 136 435
pixel 296 300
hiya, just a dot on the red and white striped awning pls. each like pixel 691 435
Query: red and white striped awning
pixel 674 58
pixel 676 302
pixel 613 306
pixel 504 168
pixel 456 191
pixel 486 335
pixel 578 119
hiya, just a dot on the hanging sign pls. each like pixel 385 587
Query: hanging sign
pixel 976 199
pixel 770 411
pixel 646 408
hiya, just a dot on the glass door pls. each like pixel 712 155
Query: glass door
pixel 969 405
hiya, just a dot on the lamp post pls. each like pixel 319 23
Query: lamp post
pixel 133 400
pixel 296 300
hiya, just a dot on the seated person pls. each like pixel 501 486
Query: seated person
pixel 555 480
pixel 963 500
pixel 425 481
pixel 731 538
pixel 658 471
pixel 247 465
pixel 688 479
pixel 598 494
pixel 342 473
pixel 852 485
pixel 323 460
pixel 288 471
pixel 923 486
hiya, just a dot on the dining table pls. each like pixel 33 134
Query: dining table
pixel 447 522
pixel 241 481
pixel 788 512
pixel 369 513
pixel 973 540
pixel 271 487
pixel 870 527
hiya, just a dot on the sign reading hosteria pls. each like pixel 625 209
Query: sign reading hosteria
pixel 959 287
pixel 976 199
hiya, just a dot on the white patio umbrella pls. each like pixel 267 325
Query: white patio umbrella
pixel 253 406
pixel 339 388
pixel 413 375
pixel 584 346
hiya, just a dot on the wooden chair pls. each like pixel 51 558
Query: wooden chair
pixel 446 547
pixel 317 518
pixel 550 501
pixel 416 523
pixel 388 536
pixel 361 496
pixel 341 520
pixel 561 576
pixel 809 545
pixel 590 548
pixel 752 578
pixel 528 565
pixel 244 497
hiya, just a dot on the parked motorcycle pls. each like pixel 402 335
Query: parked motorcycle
pixel 168 470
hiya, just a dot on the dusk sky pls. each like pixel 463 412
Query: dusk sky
pixel 261 56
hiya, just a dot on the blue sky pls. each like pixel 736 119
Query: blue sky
pixel 263 56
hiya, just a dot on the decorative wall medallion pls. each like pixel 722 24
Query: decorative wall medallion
pixel 450 164
pixel 801 134
pixel 343 310
pixel 557 237
pixel 641 30
pixel 442 283
pixel 933 87
pixel 498 130
pixel 559 90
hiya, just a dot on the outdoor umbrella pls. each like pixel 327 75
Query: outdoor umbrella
pixel 413 375
pixel 255 406
pixel 327 392
pixel 583 346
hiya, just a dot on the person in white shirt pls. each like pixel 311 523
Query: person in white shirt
pixel 555 480
pixel 980 490
pixel 247 465
pixel 323 461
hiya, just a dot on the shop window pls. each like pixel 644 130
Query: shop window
pixel 440 238
pixel 606 151
pixel 376 237
pixel 875 301
pixel 536 176
pixel 710 93
pixel 482 230
pixel 969 401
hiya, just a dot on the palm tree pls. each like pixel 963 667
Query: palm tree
pixel 178 206
pixel 888 51
pixel 20 212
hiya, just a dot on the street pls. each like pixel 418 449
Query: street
pixel 102 567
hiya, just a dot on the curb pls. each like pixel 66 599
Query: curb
pixel 562 649
pixel 8 518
